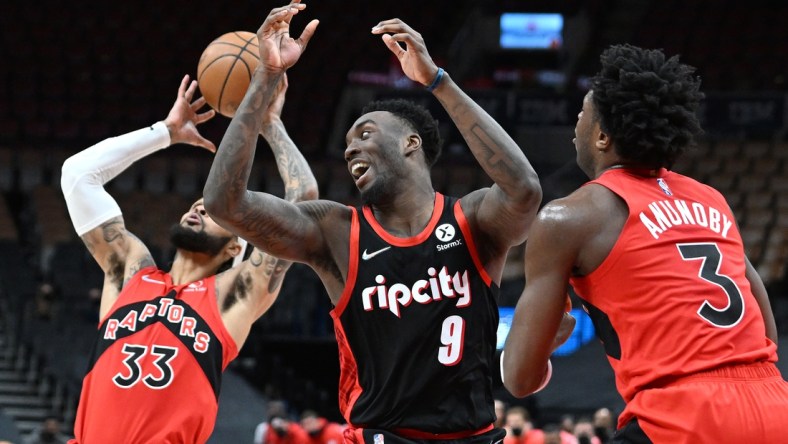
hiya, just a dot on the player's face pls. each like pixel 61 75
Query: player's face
pixel 375 155
pixel 586 131
pixel 198 232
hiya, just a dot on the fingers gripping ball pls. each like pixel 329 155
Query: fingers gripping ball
pixel 225 70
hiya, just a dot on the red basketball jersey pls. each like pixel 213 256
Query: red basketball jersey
pixel 671 298
pixel 155 371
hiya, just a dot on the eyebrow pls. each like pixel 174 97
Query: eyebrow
pixel 359 125
pixel 364 122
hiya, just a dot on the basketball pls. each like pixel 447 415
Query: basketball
pixel 225 70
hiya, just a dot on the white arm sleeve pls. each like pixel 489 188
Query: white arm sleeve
pixel 85 173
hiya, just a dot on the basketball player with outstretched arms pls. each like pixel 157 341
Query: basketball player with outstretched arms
pixel 413 274
pixel 165 337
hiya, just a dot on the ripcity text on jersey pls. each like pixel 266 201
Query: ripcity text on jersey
pixel 416 327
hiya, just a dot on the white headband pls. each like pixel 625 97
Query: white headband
pixel 240 257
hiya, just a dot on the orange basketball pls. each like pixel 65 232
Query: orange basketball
pixel 225 70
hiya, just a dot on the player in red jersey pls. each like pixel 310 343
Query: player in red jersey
pixel 658 261
pixel 413 274
pixel 164 338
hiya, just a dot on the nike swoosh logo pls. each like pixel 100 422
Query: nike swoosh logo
pixel 367 256
pixel 498 442
pixel 154 281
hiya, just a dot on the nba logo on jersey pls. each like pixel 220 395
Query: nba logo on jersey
pixel 378 438
pixel 664 186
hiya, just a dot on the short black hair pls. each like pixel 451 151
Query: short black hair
pixel 419 119
pixel 647 103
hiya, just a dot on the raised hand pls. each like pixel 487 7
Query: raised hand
pixel 183 118
pixel 414 58
pixel 279 51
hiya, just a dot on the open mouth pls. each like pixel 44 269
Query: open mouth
pixel 358 169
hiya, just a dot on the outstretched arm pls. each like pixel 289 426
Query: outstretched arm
pixel 276 225
pixel 505 212
pixel 249 290
pixel 96 216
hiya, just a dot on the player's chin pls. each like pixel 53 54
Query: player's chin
pixel 364 181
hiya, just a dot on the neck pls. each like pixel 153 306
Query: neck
pixel 408 213
pixel 640 169
pixel 189 267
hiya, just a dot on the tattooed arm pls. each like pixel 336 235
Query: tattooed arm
pixel 96 216
pixel 275 225
pixel 249 290
pixel 503 213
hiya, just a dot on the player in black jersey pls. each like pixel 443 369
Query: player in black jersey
pixel 413 274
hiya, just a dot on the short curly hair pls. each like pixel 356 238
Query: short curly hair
pixel 647 104
pixel 418 118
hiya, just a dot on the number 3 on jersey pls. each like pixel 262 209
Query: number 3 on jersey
pixel 134 354
pixel 711 258
pixel 452 338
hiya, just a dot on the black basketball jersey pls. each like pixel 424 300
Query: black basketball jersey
pixel 416 327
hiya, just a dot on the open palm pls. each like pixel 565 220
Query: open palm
pixel 278 50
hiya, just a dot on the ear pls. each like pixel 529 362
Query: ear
pixel 413 144
pixel 233 248
pixel 603 141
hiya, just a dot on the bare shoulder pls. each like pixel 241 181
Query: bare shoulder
pixel 333 220
pixel 473 199
pixel 325 210
pixel 584 209
pixel 583 226
pixel 254 282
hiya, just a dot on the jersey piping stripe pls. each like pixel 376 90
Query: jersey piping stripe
pixel 437 210
pixel 466 232
pixel 352 266
pixel 349 387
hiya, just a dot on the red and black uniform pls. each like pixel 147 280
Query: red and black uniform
pixel 416 327
pixel 155 371
pixel 673 307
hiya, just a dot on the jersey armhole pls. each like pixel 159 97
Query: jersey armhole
pixel 132 281
pixel 466 233
pixel 352 266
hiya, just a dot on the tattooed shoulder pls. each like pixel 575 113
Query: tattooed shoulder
pixel 113 229
pixel 275 270
pixel 146 261
pixel 319 209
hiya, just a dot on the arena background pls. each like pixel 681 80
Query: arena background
pixel 74 73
